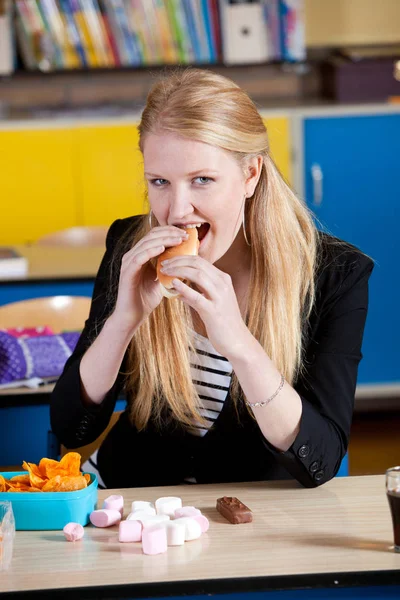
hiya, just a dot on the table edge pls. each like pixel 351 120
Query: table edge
pixel 162 589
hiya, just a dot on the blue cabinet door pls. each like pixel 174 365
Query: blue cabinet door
pixel 358 200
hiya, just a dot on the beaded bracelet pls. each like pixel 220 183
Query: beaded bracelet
pixel 268 400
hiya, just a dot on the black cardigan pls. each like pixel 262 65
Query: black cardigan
pixel 233 449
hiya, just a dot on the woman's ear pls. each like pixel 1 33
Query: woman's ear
pixel 252 172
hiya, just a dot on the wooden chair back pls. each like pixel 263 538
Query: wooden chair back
pixel 60 313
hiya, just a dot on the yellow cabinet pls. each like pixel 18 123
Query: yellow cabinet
pixel 280 144
pixel 111 173
pixel 37 183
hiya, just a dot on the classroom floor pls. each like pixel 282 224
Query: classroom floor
pixel 374 442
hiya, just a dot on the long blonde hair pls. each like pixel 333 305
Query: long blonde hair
pixel 210 108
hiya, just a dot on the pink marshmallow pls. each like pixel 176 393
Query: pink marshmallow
pixel 114 502
pixel 186 511
pixel 73 532
pixel 154 540
pixel 105 518
pixel 130 531
pixel 202 521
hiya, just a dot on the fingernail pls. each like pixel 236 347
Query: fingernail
pixel 164 262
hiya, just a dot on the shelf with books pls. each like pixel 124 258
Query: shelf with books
pixel 69 35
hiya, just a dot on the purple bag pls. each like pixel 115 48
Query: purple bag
pixel 41 356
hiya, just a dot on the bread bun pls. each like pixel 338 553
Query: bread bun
pixel 187 247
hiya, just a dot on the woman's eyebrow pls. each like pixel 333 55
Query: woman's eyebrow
pixel 201 171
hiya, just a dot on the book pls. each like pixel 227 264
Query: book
pixel 12 264
pixel 200 25
pixel 6 39
pixel 57 26
pixel 293 47
pixel 72 31
pixel 244 33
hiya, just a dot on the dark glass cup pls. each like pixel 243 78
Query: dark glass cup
pixel 393 496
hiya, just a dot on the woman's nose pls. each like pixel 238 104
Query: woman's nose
pixel 180 207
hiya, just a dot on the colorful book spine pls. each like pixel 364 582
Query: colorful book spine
pixel 143 35
pixel 188 7
pixel 54 40
pixel 170 53
pixel 216 27
pixel 176 30
pixel 84 36
pixel 129 42
pixel 72 31
pixel 272 21
pixel 201 31
pixel 209 29
pixel 133 29
pixel 292 30
pixel 151 20
pixel 94 32
pixel 109 55
pixel 60 33
pixel 43 44
pixel 110 35
pixel 183 27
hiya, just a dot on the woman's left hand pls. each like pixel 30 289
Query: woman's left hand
pixel 215 301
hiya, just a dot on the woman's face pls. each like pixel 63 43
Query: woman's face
pixel 190 182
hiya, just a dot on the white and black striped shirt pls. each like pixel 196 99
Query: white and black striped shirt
pixel 211 376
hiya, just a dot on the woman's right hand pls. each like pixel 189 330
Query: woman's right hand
pixel 139 291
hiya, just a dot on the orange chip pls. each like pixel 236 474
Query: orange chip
pixel 71 463
pixel 48 467
pixel 34 474
pixel 3 487
pixel 52 484
pixel 65 484
pixel 87 477
pixel 21 479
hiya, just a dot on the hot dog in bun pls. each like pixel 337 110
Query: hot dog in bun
pixel 187 247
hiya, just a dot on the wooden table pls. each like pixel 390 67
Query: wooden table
pixel 53 271
pixel 335 536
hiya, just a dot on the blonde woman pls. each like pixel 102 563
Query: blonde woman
pixel 250 373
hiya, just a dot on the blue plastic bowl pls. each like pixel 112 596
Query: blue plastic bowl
pixel 50 510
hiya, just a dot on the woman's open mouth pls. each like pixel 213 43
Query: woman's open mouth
pixel 202 230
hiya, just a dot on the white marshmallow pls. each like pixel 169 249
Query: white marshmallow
pixel 175 533
pixel 142 505
pixel 168 505
pixel 138 515
pixel 150 520
pixel 192 528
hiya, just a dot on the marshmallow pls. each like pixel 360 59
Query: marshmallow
pixel 168 505
pixel 154 540
pixel 192 528
pixel 144 518
pixel 130 531
pixel 114 502
pixel 105 517
pixel 147 507
pixel 203 522
pixel 186 511
pixel 73 532
pixel 175 533
pixel 150 521
pixel 138 515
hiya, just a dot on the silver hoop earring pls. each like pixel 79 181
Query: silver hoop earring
pixel 244 222
pixel 150 215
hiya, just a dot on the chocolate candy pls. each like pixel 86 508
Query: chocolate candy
pixel 235 511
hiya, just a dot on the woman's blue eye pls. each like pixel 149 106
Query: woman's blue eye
pixel 158 182
pixel 204 180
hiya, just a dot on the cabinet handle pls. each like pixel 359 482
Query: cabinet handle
pixel 318 178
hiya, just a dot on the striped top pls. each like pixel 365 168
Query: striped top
pixel 211 376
